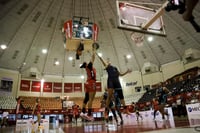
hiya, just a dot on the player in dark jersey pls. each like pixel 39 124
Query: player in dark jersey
pixel 113 106
pixel 37 109
pixel 113 84
pixel 162 93
pixel 90 88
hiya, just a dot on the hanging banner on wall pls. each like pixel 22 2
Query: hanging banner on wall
pixel 98 86
pixel 68 87
pixel 25 85
pixel 77 87
pixel 47 87
pixel 57 87
pixel 36 85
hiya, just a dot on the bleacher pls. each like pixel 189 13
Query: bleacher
pixel 7 102
pixel 47 103
pixel 132 98
pixel 186 84
pixel 51 103
pixel 79 101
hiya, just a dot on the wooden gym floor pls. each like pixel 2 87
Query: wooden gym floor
pixel 177 125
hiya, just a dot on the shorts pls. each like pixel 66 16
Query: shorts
pixel 113 83
pixel 90 86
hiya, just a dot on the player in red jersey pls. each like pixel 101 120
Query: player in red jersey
pixel 75 109
pixel 90 88
pixel 19 106
pixel 155 107
pixel 37 109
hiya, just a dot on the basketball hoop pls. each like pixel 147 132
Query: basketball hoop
pixel 138 38
pixel 95 46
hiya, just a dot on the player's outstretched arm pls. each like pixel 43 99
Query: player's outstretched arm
pixel 122 74
pixel 102 61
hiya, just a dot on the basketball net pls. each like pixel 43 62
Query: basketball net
pixel 138 38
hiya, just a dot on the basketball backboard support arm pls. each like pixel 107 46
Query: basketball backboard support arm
pixel 155 16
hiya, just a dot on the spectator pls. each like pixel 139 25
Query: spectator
pixel 4 121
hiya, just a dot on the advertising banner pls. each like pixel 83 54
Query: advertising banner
pixel 193 111
pixel 147 118
pixel 68 87
pixel 68 29
pixel 36 86
pixel 25 85
pixel 57 87
pixel 77 87
pixel 95 32
pixel 24 125
pixel 47 87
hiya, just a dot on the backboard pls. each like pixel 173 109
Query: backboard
pixel 79 30
pixel 139 18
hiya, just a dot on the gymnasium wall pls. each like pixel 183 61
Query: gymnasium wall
pixel 129 81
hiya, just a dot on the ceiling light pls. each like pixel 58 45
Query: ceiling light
pixel 44 51
pixel 42 80
pixel 100 54
pixel 70 58
pixel 128 56
pixel 3 46
pixel 82 77
pixel 57 63
pixel 150 38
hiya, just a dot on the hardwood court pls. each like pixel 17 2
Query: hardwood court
pixel 178 125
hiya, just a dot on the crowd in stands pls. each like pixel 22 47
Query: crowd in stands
pixel 185 86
